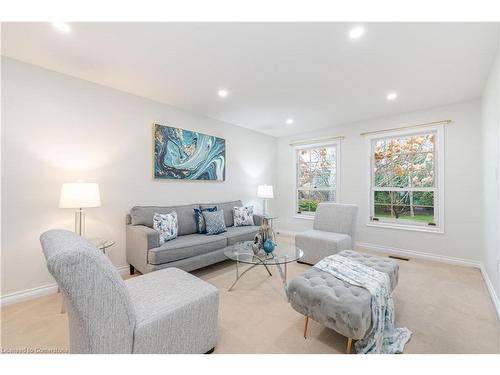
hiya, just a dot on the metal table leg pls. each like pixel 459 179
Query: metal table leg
pixel 239 276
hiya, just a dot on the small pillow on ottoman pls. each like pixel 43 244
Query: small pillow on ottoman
pixel 243 216
pixel 214 221
pixel 200 220
pixel 166 225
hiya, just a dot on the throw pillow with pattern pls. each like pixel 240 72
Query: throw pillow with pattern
pixel 243 216
pixel 166 225
pixel 200 220
pixel 214 221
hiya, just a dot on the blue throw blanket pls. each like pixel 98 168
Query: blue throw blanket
pixel 383 337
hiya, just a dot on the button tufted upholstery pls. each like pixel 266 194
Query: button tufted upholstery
pixel 338 305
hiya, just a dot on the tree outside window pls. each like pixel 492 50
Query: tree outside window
pixel 404 187
pixel 316 177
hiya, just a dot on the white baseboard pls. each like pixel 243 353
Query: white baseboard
pixel 419 255
pixel 27 294
pixel 491 290
pixel 40 291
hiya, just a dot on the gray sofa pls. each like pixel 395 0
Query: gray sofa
pixel 190 250
pixel 169 311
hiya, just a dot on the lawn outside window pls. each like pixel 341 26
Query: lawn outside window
pixel 317 171
pixel 406 179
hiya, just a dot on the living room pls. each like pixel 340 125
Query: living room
pixel 250 187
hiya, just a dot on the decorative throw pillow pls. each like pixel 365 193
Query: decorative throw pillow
pixel 200 220
pixel 214 221
pixel 243 216
pixel 166 225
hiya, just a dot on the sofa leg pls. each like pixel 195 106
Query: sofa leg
pixel 210 351
pixel 305 327
pixel 132 269
pixel 349 345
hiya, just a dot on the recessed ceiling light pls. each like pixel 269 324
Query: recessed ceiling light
pixel 356 32
pixel 222 93
pixel 289 121
pixel 61 26
pixel 392 96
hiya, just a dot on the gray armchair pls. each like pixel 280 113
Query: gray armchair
pixel 333 231
pixel 168 311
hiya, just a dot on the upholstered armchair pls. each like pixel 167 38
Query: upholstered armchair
pixel 167 311
pixel 333 231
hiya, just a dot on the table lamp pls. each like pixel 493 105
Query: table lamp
pixel 79 195
pixel 265 192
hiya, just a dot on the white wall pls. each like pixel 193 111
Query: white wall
pixel 56 128
pixel 463 236
pixel 490 163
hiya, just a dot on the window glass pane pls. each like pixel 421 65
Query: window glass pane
pixel 319 196
pixel 308 200
pixel 304 156
pixel 316 169
pixel 304 174
pixel 305 203
pixel 404 161
pixel 323 174
pixel 404 205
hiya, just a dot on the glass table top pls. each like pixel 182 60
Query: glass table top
pixel 242 252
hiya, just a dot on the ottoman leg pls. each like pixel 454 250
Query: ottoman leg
pixel 305 328
pixel 349 345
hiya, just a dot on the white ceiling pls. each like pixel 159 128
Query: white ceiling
pixel 311 72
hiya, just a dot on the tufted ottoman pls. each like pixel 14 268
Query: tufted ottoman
pixel 338 305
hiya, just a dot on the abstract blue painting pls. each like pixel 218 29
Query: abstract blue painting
pixel 181 154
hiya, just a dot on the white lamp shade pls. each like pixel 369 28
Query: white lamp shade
pixel 265 191
pixel 79 195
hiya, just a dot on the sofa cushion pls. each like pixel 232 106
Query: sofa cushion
pixel 143 215
pixel 185 247
pixel 228 210
pixel 318 244
pixel 238 234
pixel 176 312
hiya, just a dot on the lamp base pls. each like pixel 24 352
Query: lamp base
pixel 80 222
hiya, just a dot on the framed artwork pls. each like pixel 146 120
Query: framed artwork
pixel 181 154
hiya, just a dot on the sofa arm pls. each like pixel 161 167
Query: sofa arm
pixel 257 219
pixel 139 240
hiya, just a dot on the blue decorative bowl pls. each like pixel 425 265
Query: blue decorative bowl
pixel 269 246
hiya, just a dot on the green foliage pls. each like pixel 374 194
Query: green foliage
pixel 308 205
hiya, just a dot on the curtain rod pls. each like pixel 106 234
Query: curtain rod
pixel 313 141
pixel 408 126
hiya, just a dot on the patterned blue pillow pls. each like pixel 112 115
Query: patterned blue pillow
pixel 214 221
pixel 166 225
pixel 243 216
pixel 200 221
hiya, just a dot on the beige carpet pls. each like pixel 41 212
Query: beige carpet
pixel 447 308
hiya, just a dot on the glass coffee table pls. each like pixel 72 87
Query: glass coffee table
pixel 242 252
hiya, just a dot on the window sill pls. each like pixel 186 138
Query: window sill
pixel 413 228
pixel 303 217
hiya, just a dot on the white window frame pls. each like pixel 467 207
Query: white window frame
pixel 336 144
pixel 438 190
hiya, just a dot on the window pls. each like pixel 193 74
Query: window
pixel 406 182
pixel 317 176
